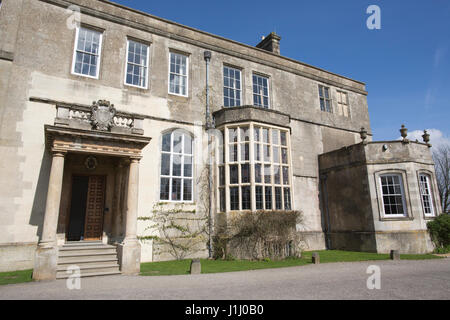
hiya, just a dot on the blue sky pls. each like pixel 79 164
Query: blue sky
pixel 405 64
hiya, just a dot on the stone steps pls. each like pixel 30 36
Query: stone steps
pixel 92 257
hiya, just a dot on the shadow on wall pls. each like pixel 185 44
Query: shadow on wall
pixel 40 196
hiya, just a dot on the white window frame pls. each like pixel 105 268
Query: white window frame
pixel 430 194
pixel 403 195
pixel 171 176
pixel 228 87
pixel 75 49
pixel 254 74
pixel 252 163
pixel 146 66
pixel 187 74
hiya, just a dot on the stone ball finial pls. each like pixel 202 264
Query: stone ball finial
pixel 363 134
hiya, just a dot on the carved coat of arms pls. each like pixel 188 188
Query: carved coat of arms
pixel 102 115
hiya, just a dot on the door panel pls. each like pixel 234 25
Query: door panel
pixel 78 208
pixel 94 208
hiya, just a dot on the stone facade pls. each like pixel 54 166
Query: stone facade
pixel 47 131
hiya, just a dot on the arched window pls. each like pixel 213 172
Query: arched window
pixel 176 167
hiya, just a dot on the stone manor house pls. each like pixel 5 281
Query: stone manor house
pixel 104 114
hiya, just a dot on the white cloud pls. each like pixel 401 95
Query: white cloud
pixel 437 138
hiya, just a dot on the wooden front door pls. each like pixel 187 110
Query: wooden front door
pixel 93 228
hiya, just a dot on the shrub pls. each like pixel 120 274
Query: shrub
pixel 259 235
pixel 439 230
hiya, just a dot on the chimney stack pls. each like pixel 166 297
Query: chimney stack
pixel 270 43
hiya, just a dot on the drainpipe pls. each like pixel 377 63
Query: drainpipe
pixel 209 125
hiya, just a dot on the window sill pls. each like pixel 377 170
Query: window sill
pixel 396 218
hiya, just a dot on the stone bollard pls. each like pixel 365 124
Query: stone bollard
pixel 395 255
pixel 196 267
pixel 315 258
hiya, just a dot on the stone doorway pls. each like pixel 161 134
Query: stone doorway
pixel 87 208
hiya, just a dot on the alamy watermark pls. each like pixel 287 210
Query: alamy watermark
pixel 374 20
pixel 73 282
pixel 374 280
pixel 73 21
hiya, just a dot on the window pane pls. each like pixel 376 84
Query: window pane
pixel 266 151
pixel 176 166
pixel 278 201
pixel 245 173
pixel 268 197
pixel 245 152
pixel 284 156
pixel 232 135
pixel 187 166
pixel 234 198
pixel 222 176
pixel 187 144
pixel 287 198
pixel 267 174
pixel 259 197
pixel 275 135
pixel 234 174
pixel 285 175
pixel 187 189
pixel 257 133
pixel 257 173
pixel 265 135
pixel 257 152
pixel 283 138
pixel 164 189
pixel 245 134
pixel 165 164
pixel 176 189
pixel 222 199
pixel 177 141
pixel 276 154
pixel 233 152
pixel 246 198
pixel 276 174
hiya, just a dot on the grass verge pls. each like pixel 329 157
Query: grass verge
pixel 214 266
pixel 16 277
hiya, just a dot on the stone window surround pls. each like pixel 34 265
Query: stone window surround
pixel 226 163
pixel 406 195
pixel 194 167
pixel 433 188
pixel 77 30
pixel 148 44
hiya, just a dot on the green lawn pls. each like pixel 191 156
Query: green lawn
pixel 214 266
pixel 15 277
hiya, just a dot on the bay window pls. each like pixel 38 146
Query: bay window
pixel 255 173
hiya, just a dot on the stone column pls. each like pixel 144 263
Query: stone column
pixel 47 251
pixel 130 249
pixel 117 213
